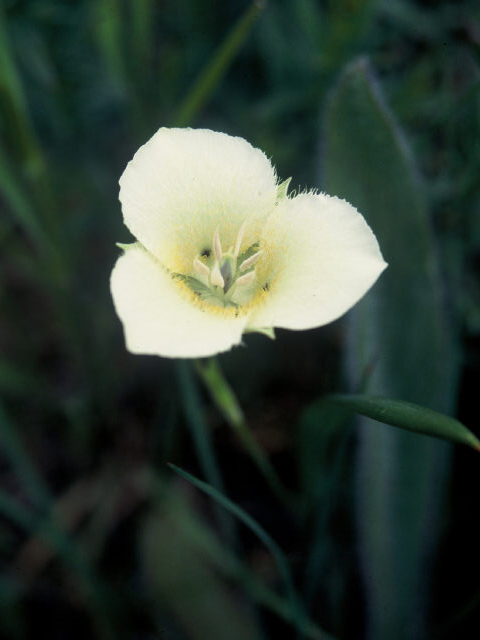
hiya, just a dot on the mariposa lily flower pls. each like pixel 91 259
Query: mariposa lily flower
pixel 223 250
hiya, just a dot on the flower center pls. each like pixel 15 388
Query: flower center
pixel 225 278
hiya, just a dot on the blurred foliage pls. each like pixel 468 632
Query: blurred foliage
pixel 374 100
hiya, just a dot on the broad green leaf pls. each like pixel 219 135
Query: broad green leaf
pixel 409 416
pixel 400 327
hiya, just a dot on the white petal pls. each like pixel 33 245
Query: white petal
pixel 162 316
pixel 322 257
pixel 184 183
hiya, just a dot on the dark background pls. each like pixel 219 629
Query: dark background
pixel 375 101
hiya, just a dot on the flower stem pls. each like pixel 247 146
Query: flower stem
pixel 226 401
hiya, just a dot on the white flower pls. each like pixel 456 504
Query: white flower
pixel 222 250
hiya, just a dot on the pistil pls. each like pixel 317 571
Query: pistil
pixel 225 277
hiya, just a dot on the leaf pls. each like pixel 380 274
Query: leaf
pixel 401 326
pixel 409 416
pixel 183 581
pixel 259 531
pixel 282 189
pixel 173 505
pixel 216 68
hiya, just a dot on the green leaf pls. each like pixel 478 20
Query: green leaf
pixel 409 416
pixel 203 542
pixel 401 327
pixel 283 188
pixel 259 531
pixel 183 581
pixel 214 71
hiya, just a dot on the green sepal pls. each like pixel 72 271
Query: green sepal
pixel 282 189
pixel 254 248
pixel 266 331
pixel 125 246
pixel 203 292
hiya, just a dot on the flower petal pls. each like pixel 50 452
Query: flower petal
pixel 162 316
pixel 322 257
pixel 183 184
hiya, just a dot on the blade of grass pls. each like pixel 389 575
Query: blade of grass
pixel 20 206
pixel 12 100
pixel 12 447
pixel 201 438
pixel 108 15
pixel 69 553
pixel 228 405
pixel 222 558
pixel 216 68
pixel 141 31
pixel 409 416
pixel 21 132
pixel 259 531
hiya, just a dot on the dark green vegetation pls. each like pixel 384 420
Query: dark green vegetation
pixel 316 524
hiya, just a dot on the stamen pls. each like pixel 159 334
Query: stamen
pixel 217 247
pixel 247 278
pixel 238 241
pixel 249 262
pixel 216 277
pixel 201 268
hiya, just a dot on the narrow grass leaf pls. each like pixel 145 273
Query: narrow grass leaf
pixel 215 70
pixel 172 501
pixel 71 555
pixel 260 532
pixel 20 206
pixel 14 106
pixel 182 580
pixel 202 439
pixel 12 447
pixel 409 416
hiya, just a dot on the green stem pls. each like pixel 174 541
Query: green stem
pixel 224 398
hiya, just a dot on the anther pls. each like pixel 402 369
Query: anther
pixel 201 268
pixel 247 278
pixel 249 262
pixel 238 241
pixel 216 277
pixel 217 247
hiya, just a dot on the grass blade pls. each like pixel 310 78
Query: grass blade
pixel 33 483
pixel 409 416
pixel 201 437
pixel 213 73
pixel 20 206
pixel 260 532
pixel 47 529
pixel 13 103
